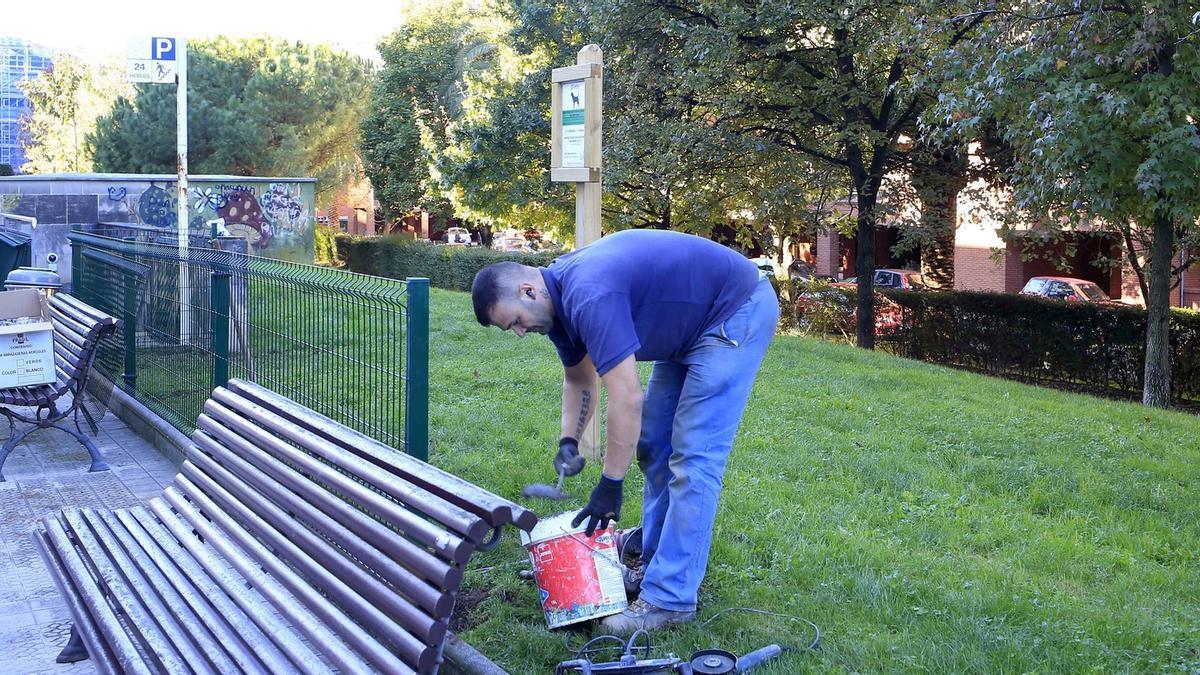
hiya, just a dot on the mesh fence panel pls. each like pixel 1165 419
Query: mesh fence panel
pixel 331 340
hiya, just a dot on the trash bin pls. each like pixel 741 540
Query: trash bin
pixel 16 250
pixel 33 277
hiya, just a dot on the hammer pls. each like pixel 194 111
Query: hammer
pixel 568 457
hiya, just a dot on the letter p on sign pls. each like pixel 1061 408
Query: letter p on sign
pixel 162 49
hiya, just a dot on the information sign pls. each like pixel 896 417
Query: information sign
pixel 152 59
pixel 573 126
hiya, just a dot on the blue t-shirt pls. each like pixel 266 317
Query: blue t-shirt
pixel 651 293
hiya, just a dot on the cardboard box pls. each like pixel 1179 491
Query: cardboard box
pixel 27 349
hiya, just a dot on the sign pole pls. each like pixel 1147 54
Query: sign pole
pixel 163 60
pixel 576 138
pixel 181 186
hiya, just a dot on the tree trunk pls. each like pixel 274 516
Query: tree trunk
pixel 938 185
pixel 937 256
pixel 864 267
pixel 1156 388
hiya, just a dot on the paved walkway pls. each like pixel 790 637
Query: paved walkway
pixel 45 473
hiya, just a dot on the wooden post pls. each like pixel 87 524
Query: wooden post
pixel 587 193
pixel 577 95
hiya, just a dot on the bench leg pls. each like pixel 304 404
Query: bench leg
pixel 98 463
pixel 75 649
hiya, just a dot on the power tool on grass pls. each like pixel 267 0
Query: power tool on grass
pixel 635 659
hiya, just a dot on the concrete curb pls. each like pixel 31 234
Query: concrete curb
pixel 158 432
pixel 463 659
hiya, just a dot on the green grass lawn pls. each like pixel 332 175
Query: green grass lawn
pixel 924 518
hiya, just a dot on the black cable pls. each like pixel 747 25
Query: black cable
pixel 587 649
pixel 627 646
pixel 816 629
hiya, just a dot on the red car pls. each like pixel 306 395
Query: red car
pixel 1066 288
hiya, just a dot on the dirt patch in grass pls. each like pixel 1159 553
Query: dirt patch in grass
pixel 468 610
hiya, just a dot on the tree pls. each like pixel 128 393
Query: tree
pixel 416 95
pixel 1098 103
pixel 66 101
pixel 259 106
pixel 836 84
pixel 666 165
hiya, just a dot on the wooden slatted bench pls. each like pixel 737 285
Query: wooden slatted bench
pixel 287 543
pixel 78 330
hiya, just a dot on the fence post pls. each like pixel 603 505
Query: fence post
pixel 129 331
pixel 77 265
pixel 219 288
pixel 416 368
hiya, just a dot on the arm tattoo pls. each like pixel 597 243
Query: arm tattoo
pixel 584 407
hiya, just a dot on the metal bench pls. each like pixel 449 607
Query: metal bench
pixel 78 329
pixel 286 543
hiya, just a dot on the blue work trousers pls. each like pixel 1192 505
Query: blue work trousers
pixel 690 414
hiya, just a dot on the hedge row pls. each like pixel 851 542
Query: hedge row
pixel 1083 345
pixel 449 267
pixel 325 246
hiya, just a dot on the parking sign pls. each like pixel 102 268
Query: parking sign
pixel 152 59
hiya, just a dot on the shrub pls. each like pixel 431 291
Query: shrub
pixel 325 247
pixel 1067 344
pixel 1074 344
pixel 341 247
pixel 449 267
pixel 821 308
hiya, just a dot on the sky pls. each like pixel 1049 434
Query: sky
pixel 98 28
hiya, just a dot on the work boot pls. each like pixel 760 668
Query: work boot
pixel 632 576
pixel 641 615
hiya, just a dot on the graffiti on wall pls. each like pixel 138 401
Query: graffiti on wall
pixel 274 217
pixel 265 215
pixel 157 208
pixel 244 218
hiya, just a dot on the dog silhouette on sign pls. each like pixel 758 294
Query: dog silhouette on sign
pixel 574 100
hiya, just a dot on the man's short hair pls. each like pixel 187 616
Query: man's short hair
pixel 490 284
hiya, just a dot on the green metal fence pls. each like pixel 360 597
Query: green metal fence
pixel 350 346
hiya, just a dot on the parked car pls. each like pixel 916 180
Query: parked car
pixel 909 280
pixel 1066 288
pixel 765 264
pixel 512 245
pixel 457 236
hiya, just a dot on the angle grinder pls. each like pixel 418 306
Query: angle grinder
pixel 721 662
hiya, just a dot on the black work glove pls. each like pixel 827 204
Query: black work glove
pixel 603 506
pixel 568 461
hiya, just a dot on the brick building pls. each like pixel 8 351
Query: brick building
pixel 352 208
